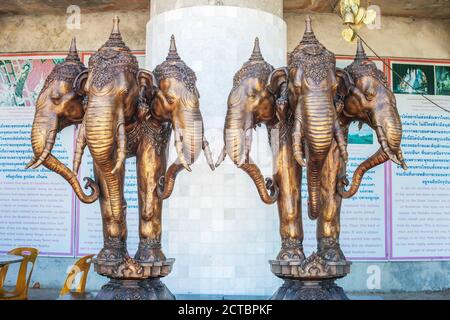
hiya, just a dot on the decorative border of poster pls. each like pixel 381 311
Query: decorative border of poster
pixel 364 228
pixel 88 234
pixel 27 217
pixel 420 203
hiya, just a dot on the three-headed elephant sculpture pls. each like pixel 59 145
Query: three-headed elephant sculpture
pixel 131 112
pixel 312 104
pixel 257 97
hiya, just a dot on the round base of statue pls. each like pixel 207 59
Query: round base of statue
pixel 310 279
pixel 134 280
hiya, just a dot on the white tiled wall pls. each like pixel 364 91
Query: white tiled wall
pixel 215 225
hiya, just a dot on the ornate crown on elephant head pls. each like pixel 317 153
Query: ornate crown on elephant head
pixel 362 66
pixel 255 67
pixel 113 58
pixel 176 68
pixel 69 69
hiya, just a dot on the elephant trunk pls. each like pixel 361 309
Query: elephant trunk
pixel 106 142
pixel 388 127
pixel 239 151
pixel 167 183
pixel 188 145
pixel 43 136
pixel 376 159
pixel 319 118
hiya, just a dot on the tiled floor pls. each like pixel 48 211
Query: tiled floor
pixel 50 294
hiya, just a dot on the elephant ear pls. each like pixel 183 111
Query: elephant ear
pixel 277 84
pixel 277 81
pixel 80 82
pixel 146 81
pixel 345 85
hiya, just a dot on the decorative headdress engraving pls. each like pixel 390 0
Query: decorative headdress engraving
pixel 115 40
pixel 363 67
pixel 69 69
pixel 112 58
pixel 255 67
pixel 312 57
pixel 176 68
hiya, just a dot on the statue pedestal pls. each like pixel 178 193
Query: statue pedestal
pixel 148 289
pixel 134 280
pixel 310 279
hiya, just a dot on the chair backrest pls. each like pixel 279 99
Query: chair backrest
pixel 23 278
pixel 81 266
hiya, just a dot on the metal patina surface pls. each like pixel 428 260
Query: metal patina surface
pixel 307 108
pixel 124 112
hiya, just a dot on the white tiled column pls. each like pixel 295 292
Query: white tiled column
pixel 215 225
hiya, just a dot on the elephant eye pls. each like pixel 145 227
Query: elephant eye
pixel 369 95
pixel 170 99
pixel 56 99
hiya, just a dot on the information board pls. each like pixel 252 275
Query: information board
pixel 36 206
pixel 420 214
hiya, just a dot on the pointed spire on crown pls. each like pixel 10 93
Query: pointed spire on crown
pixel 309 36
pixel 360 52
pixel 73 52
pixel 115 39
pixel 173 53
pixel 256 55
pixel 116 22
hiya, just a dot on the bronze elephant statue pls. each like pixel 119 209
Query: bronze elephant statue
pixel 257 98
pixel 130 112
pixel 309 106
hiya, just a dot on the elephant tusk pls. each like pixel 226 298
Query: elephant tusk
pixel 298 154
pixel 122 153
pixel 402 160
pixel 179 149
pixel 340 139
pixel 208 154
pixel 404 165
pixel 245 157
pixel 222 157
pixel 297 139
pixel 79 150
pixel 32 161
pixel 51 138
pixel 383 142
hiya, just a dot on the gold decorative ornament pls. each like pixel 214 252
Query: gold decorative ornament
pixel 355 16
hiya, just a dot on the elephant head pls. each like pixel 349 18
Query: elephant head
pixel 364 95
pixel 113 85
pixel 250 103
pixel 176 100
pixel 57 107
pixel 312 86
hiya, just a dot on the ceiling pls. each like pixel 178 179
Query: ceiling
pixel 37 7
pixel 403 8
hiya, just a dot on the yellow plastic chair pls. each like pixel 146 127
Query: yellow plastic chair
pixel 20 292
pixel 81 266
